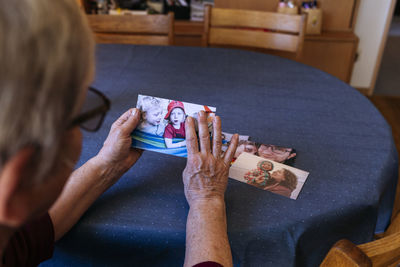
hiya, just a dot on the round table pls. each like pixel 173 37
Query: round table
pixel 340 138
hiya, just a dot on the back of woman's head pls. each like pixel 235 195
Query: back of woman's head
pixel 46 55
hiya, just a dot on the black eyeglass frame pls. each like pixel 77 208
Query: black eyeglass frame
pixel 100 110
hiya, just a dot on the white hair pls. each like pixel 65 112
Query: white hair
pixel 149 103
pixel 46 53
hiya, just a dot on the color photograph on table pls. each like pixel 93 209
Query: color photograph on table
pixel 268 175
pixel 226 139
pixel 162 126
pixel 279 154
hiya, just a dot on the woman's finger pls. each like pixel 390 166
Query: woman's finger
pixel 191 137
pixel 123 118
pixel 217 138
pixel 204 135
pixel 131 122
pixel 231 149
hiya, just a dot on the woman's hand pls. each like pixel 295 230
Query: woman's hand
pixel 89 181
pixel 206 174
pixel 117 156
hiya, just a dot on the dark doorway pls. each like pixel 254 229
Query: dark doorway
pixel 397 9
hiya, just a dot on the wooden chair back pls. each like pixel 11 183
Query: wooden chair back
pixel 133 29
pixel 384 251
pixel 258 29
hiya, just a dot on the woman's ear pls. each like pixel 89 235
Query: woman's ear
pixel 13 195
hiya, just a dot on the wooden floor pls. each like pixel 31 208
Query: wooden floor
pixel 390 109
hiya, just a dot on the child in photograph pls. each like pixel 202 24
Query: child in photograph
pixel 259 177
pixel 151 116
pixel 176 127
pixel 245 146
pixel 265 165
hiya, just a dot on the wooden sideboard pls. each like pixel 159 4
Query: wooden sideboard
pixel 338 15
pixel 333 51
pixel 188 33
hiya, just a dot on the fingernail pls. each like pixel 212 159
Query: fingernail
pixel 135 111
pixel 201 113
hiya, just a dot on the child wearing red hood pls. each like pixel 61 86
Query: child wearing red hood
pixel 176 127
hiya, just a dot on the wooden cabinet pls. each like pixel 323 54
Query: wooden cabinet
pixel 188 33
pixel 334 51
pixel 338 15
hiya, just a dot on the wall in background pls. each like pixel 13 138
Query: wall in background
pixel 371 27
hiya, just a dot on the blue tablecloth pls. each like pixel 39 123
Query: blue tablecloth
pixel 340 137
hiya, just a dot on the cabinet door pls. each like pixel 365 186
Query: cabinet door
pixel 334 57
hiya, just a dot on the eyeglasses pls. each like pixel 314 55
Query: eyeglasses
pixel 93 111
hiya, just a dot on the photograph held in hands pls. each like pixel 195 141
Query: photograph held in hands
pixel 162 126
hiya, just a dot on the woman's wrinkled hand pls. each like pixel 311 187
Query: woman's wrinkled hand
pixel 206 174
pixel 117 156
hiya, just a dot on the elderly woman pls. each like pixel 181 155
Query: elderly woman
pixel 46 55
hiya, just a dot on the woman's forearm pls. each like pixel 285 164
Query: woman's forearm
pixel 83 187
pixel 206 234
pixel 88 182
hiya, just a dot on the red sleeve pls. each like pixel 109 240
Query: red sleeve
pixel 32 244
pixel 208 264
pixel 168 133
pixel 182 129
